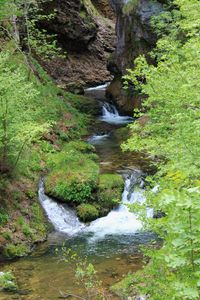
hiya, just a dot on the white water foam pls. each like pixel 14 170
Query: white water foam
pixel 63 218
pixel 120 221
pixel 97 139
pixel 111 115
pixel 98 87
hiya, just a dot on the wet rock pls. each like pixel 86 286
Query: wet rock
pixel 134 37
pixel 75 88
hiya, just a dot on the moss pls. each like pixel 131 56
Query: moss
pixel 73 173
pixel 19 250
pixel 110 181
pixel 110 190
pixel 87 212
pixel 38 223
pixel 84 104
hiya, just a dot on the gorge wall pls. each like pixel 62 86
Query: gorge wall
pixel 134 37
pixel 85 31
pixel 101 38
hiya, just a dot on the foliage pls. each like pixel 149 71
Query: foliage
pixel 86 276
pixel 17 127
pixel 8 282
pixel 171 135
pixel 12 251
pixel 3 217
pixel 87 212
pixel 29 14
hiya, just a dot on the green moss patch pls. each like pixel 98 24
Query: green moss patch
pixel 110 191
pixel 73 173
pixel 87 212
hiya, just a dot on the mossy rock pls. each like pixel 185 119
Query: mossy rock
pixel 110 181
pixel 110 191
pixel 73 173
pixel 87 212
pixel 84 104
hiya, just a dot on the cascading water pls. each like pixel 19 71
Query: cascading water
pixel 111 242
pixel 111 115
pixel 63 218
pixel 120 221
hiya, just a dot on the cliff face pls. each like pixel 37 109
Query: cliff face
pixel 85 30
pixel 134 36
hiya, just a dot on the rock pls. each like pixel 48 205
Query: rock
pixel 134 37
pixel 85 31
pixel 75 88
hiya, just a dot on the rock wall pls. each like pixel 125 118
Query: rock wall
pixel 85 31
pixel 134 36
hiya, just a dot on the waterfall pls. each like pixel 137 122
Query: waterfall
pixel 97 139
pixel 62 217
pixel 120 221
pixel 111 115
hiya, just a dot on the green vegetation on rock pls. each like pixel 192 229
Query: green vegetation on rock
pixel 87 212
pixel 110 191
pixel 19 250
pixel 73 173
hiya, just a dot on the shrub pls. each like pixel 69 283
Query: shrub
pixel 7 282
pixel 3 217
pixel 7 235
pixel 12 250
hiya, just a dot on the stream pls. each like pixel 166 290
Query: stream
pixel 111 243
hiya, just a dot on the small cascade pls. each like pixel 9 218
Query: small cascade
pixel 120 221
pixel 111 115
pixel 98 87
pixel 63 218
pixel 97 139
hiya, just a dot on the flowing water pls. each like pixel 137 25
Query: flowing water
pixel 111 243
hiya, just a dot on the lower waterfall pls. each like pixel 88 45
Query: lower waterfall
pixel 120 221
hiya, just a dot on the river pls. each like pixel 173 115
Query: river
pixel 111 243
